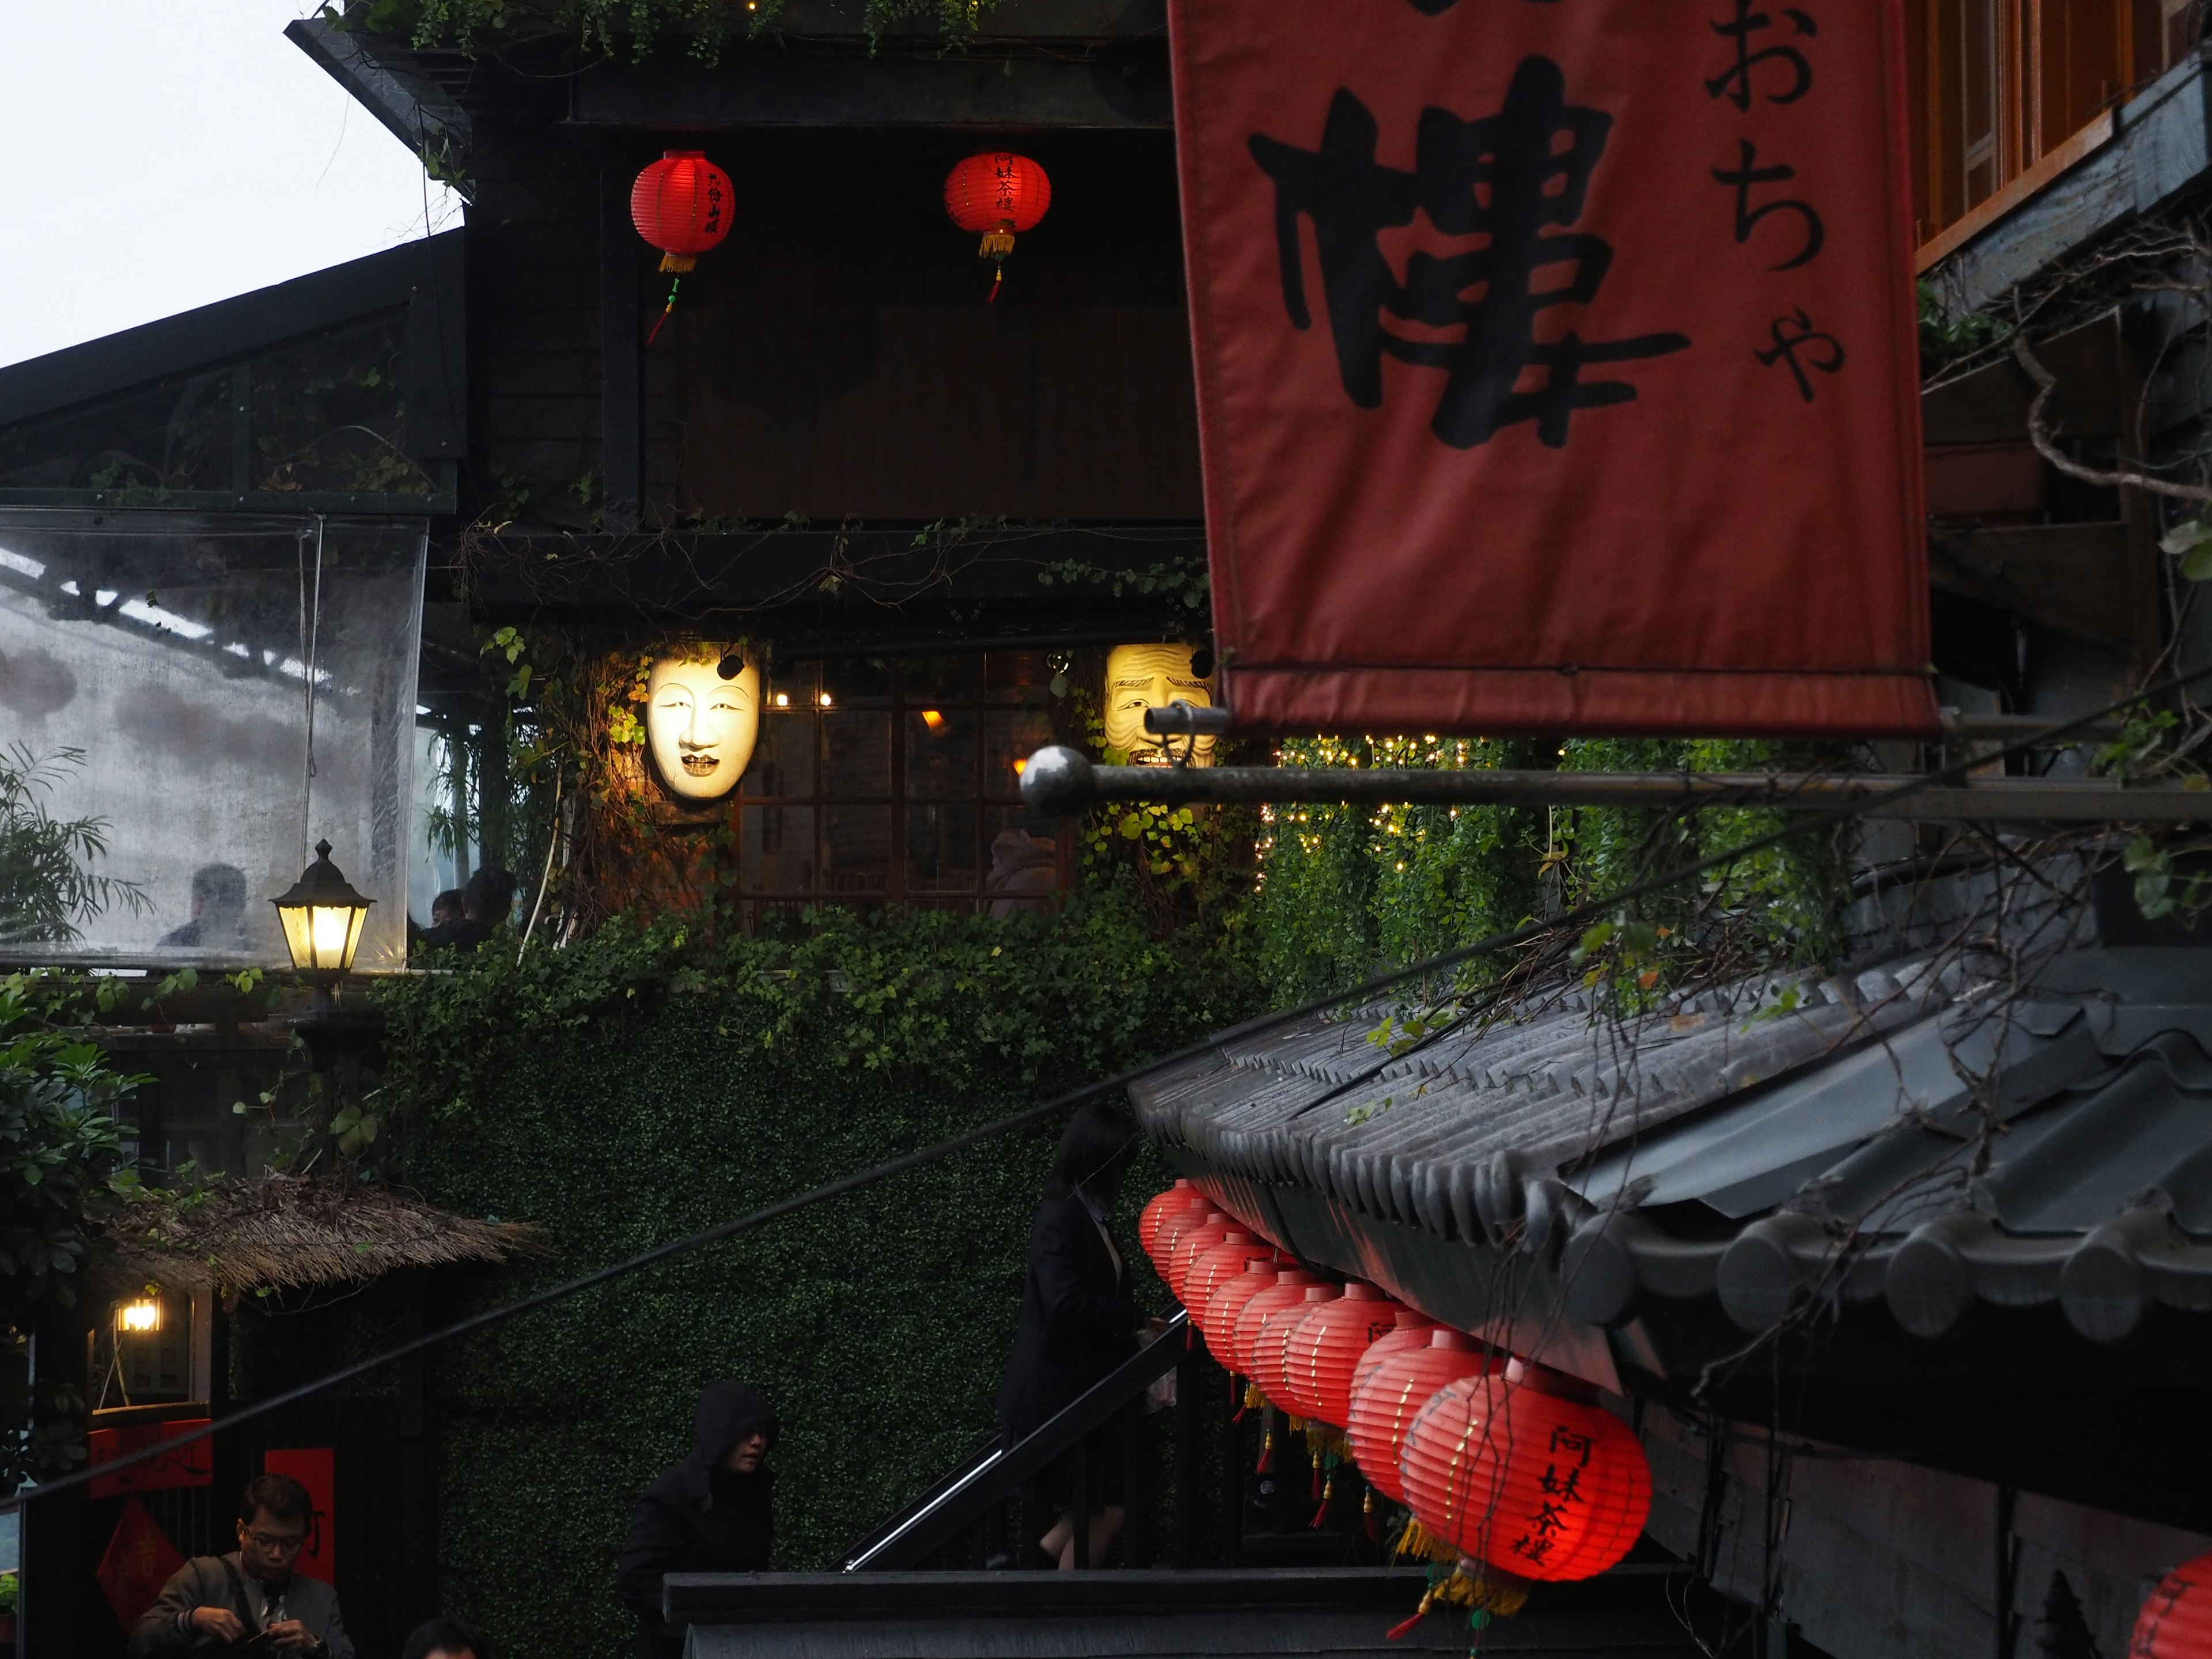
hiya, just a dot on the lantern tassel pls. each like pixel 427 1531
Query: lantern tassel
pixel 1328 1491
pixel 1478 1595
pixel 1367 1514
pixel 674 283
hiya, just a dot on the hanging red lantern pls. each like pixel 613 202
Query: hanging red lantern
pixel 997 194
pixel 1384 1405
pixel 1177 1223
pixel 1189 1243
pixel 2176 1622
pixel 681 205
pixel 1290 1288
pixel 1226 1306
pixel 1319 1356
pixel 1412 1330
pixel 1216 1268
pixel 1270 1348
pixel 1161 1205
pixel 1532 1485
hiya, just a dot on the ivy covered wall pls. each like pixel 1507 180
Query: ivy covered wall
pixel 638 1086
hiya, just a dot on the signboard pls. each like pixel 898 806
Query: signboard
pixel 314 1467
pixel 1556 364
pixel 190 1464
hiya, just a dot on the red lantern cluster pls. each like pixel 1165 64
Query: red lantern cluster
pixel 1321 1353
pixel 1226 1306
pixel 997 194
pixel 1191 1242
pixel 1271 1347
pixel 2176 1623
pixel 1215 1268
pixel 681 205
pixel 1535 1485
pixel 1391 1395
pixel 1289 1290
pixel 1159 1207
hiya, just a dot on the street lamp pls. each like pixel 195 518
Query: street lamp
pixel 323 917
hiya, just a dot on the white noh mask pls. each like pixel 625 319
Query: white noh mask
pixel 700 726
pixel 1141 676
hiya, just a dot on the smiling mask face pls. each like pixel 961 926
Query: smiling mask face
pixel 700 726
pixel 1141 676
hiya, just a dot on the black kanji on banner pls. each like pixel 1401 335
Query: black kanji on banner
pixel 1511 177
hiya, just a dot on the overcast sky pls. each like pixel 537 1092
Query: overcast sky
pixel 157 155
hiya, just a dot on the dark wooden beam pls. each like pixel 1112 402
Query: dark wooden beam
pixel 2070 578
pixel 622 418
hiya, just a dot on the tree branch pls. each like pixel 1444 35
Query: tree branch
pixel 2039 433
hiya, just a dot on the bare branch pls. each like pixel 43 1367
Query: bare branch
pixel 2041 434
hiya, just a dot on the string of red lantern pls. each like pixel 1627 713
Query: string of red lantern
pixel 681 205
pixel 1320 1355
pixel 1226 1306
pixel 1190 1244
pixel 997 193
pixel 1289 1289
pixel 1216 1268
pixel 1271 1347
pixel 1160 1206
pixel 2176 1622
pixel 1384 1405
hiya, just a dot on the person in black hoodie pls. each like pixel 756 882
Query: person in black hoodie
pixel 1077 1323
pixel 713 1512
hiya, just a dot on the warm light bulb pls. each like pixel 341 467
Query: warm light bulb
pixel 825 699
pixel 933 719
pixel 783 699
pixel 143 1314
pixel 1020 765
pixel 330 925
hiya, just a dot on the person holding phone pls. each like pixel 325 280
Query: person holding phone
pixel 252 1600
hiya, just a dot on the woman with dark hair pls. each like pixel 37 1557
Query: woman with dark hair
pixel 1076 1322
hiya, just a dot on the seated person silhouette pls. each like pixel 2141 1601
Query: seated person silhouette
pixel 218 917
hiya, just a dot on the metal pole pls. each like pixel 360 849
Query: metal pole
pixel 1061 783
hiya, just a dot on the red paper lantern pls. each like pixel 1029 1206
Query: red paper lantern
pixel 1177 1223
pixel 682 205
pixel 1216 1268
pixel 1412 1330
pixel 1384 1405
pixel 2176 1623
pixel 997 194
pixel 1226 1306
pixel 1190 1243
pixel 1320 1355
pixel 1290 1288
pixel 1163 1204
pixel 1270 1348
pixel 1534 1484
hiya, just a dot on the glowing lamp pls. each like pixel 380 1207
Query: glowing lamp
pixel 1160 1205
pixel 141 1316
pixel 323 917
pixel 1321 1355
pixel 1214 1267
pixel 1226 1306
pixel 1271 1349
pixel 1189 1243
pixel 1385 1405
pixel 997 194
pixel 1535 1485
pixel 1241 1340
pixel 2176 1622
pixel 682 205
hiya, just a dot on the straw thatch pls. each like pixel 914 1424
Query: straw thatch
pixel 286 1233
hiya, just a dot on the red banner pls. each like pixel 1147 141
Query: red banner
pixel 1557 363
pixel 191 1464
pixel 314 1467
pixel 136 1563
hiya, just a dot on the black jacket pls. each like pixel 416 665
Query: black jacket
pixel 697 1518
pixel 1077 1320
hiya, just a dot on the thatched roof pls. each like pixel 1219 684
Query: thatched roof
pixel 285 1232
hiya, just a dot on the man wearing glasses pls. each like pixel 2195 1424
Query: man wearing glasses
pixel 250 1601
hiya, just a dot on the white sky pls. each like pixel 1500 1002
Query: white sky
pixel 158 154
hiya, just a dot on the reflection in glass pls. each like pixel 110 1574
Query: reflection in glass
pixel 940 753
pixel 941 849
pixel 856 851
pixel 1024 869
pixel 856 755
pixel 1011 737
pixel 783 763
pixel 776 852
pixel 1016 677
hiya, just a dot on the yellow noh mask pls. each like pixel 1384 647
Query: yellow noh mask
pixel 700 726
pixel 1141 676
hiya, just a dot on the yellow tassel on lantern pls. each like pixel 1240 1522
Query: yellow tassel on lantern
pixel 1253 1398
pixel 996 244
pixel 1422 1544
pixel 1480 1597
pixel 678 263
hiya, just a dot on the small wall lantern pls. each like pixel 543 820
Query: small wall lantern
pixel 141 1316
pixel 323 917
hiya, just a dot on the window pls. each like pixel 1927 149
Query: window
pixel 899 782
pixel 2004 85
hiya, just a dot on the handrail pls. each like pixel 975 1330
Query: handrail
pixel 995 1472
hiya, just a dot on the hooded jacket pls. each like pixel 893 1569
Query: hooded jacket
pixel 698 1518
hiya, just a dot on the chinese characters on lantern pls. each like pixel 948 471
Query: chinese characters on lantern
pixel 1561 1486
pixel 1519 179
pixel 1766 66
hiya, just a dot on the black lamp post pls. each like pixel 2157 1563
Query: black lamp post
pixel 323 917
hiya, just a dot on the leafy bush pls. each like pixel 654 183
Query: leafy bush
pixel 47 885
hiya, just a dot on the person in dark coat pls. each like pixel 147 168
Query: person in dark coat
pixel 1077 1323
pixel 711 1513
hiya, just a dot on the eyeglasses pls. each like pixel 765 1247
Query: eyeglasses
pixel 276 1544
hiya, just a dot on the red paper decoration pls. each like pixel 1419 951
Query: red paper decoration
pixel 1226 1306
pixel 1163 1204
pixel 1534 1484
pixel 1319 1356
pixel 681 205
pixel 1270 1347
pixel 1216 1268
pixel 997 194
pixel 1384 1405
pixel 1412 1330
pixel 1189 1243
pixel 2176 1622
pixel 1290 1288
pixel 1173 1227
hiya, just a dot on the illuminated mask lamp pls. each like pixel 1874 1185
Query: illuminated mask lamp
pixel 1226 1307
pixel 996 194
pixel 1190 1241
pixel 682 205
pixel 1271 1349
pixel 1384 1405
pixel 323 916
pixel 1412 1330
pixel 1143 676
pixel 1535 1486
pixel 703 722
pixel 2176 1622
pixel 1226 1260
pixel 1160 1205
pixel 1319 1358
pixel 1289 1289
pixel 1177 1224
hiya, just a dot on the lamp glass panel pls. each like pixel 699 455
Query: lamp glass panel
pixel 299 938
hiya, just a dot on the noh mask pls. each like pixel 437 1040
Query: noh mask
pixel 1141 676
pixel 699 725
